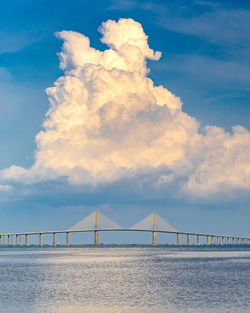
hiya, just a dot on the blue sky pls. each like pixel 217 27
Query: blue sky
pixel 205 61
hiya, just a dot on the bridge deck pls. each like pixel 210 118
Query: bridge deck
pixel 122 230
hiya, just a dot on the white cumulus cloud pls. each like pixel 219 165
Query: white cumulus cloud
pixel 108 121
pixel 5 188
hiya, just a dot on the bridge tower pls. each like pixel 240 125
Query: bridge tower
pixel 96 234
pixel 154 241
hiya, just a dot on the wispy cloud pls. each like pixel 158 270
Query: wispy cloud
pixel 16 41
pixel 5 188
pixel 209 70
pixel 220 26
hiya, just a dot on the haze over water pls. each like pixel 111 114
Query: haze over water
pixel 124 279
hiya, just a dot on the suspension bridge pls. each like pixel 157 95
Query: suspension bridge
pixel 97 222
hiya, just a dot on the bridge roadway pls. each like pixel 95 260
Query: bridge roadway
pixel 211 238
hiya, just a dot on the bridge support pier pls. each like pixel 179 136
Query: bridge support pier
pixel 67 239
pixel 26 240
pixel 198 240
pixel 215 240
pixel 226 239
pixel 154 238
pixel 208 240
pixel 41 239
pixel 188 239
pixel 54 239
pixel 178 239
pixel 8 240
pixel 16 240
pixel 12 239
pixel 96 234
pixel 96 237
pixel 20 240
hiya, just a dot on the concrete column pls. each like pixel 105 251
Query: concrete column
pixel 26 240
pixel 208 240
pixel 41 239
pixel 198 240
pixel 12 240
pixel 16 240
pixel 221 240
pixel 178 239
pixel 188 239
pixel 67 239
pixel 20 240
pixel 154 238
pixel 96 234
pixel 215 240
pixel 3 240
pixel 238 241
pixel 8 240
pixel 212 240
pixel 231 240
pixel 96 237
pixel 54 239
pixel 226 240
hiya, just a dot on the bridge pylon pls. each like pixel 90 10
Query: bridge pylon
pixel 154 223
pixel 94 222
pixel 96 233
pixel 154 234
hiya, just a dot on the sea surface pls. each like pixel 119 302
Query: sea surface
pixel 124 280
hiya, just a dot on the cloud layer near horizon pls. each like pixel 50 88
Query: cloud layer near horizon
pixel 108 121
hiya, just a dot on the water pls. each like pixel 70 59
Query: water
pixel 124 280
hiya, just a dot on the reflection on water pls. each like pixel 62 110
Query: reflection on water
pixel 123 280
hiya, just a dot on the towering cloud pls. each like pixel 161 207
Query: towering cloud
pixel 107 120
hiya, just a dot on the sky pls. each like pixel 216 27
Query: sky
pixel 126 106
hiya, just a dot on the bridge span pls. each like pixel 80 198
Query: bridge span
pixel 211 238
